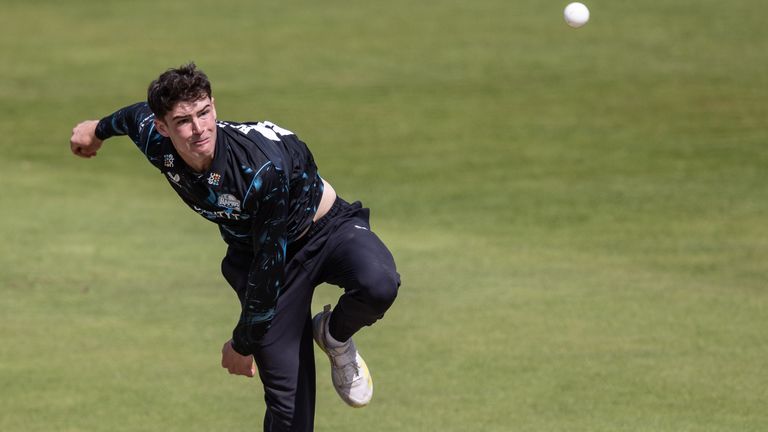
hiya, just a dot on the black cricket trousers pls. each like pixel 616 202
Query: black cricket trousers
pixel 339 249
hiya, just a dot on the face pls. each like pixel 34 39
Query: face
pixel 191 126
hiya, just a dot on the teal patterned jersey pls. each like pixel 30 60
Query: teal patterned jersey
pixel 262 190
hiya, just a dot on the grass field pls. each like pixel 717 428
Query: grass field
pixel 580 217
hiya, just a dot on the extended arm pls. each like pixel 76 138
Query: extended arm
pixel 136 121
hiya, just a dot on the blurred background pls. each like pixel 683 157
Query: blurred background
pixel 578 216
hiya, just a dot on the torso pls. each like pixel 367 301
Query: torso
pixel 225 193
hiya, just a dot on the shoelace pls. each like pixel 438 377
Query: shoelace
pixel 350 369
pixel 351 372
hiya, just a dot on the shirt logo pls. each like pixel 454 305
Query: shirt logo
pixel 214 179
pixel 229 201
pixel 168 161
pixel 174 177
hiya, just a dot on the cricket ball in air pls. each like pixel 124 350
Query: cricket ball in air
pixel 576 14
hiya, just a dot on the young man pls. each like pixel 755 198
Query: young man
pixel 286 231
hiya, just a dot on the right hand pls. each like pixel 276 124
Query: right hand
pixel 84 142
pixel 235 363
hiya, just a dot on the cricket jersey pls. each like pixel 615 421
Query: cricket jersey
pixel 262 190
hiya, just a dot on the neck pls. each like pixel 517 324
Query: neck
pixel 198 161
pixel 199 164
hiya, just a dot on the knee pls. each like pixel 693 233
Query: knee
pixel 379 289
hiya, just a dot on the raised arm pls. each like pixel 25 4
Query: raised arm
pixel 84 142
pixel 136 121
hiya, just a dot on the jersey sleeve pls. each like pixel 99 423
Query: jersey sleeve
pixel 137 121
pixel 267 199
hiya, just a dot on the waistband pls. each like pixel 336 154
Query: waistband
pixel 338 206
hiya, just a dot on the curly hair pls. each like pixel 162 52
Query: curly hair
pixel 184 84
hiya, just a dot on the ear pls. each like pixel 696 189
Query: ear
pixel 162 128
pixel 213 108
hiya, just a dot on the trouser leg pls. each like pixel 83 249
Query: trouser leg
pixel 362 265
pixel 287 370
pixel 285 357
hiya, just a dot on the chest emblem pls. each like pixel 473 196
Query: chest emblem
pixel 229 201
pixel 168 161
pixel 214 179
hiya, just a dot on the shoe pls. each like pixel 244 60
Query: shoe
pixel 349 372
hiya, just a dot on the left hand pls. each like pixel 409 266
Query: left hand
pixel 235 363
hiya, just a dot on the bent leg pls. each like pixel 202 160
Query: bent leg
pixel 362 265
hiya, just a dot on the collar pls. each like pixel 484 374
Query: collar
pixel 213 177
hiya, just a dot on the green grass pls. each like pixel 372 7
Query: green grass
pixel 579 216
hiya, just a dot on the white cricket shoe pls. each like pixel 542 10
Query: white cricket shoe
pixel 349 372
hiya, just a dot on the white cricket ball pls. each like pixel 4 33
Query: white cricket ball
pixel 576 14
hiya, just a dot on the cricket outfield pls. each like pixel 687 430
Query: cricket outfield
pixel 580 217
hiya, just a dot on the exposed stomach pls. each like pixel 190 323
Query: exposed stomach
pixel 326 202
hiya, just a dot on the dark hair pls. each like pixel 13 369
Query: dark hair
pixel 185 84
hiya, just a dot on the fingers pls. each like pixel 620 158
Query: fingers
pixel 242 370
pixel 82 152
pixel 83 142
pixel 236 364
